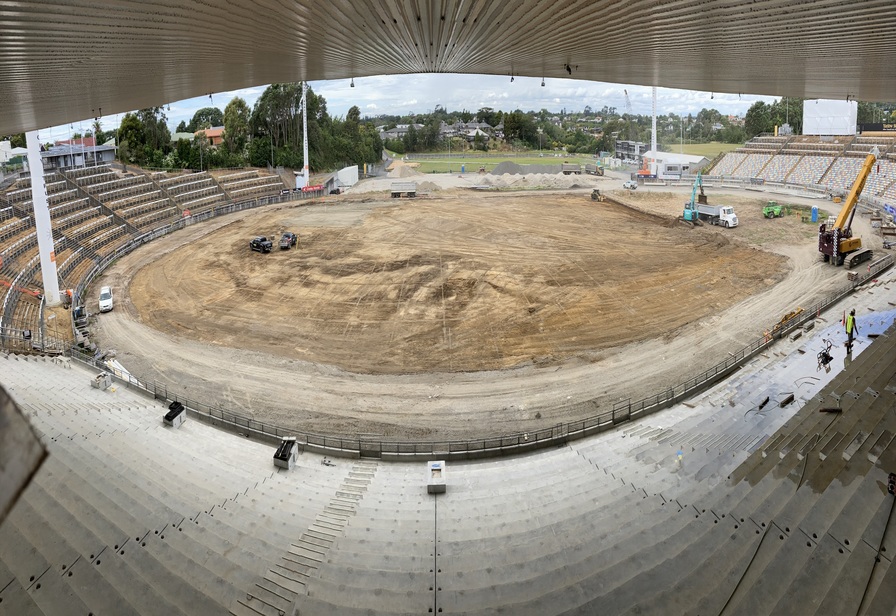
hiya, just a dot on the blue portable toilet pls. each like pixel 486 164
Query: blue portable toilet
pixel 462 168
pixel 814 213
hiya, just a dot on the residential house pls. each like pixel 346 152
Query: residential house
pixel 215 135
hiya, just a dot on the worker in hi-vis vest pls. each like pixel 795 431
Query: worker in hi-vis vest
pixel 851 328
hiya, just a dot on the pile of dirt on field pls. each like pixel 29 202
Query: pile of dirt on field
pixel 429 186
pixel 537 180
pixel 403 171
pixel 507 167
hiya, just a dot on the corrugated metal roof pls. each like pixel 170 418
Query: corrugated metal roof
pixel 62 61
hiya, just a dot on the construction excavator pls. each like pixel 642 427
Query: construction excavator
pixel 835 240
pixel 690 208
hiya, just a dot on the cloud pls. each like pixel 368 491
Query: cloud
pixel 389 94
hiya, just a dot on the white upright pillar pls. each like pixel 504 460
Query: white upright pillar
pixel 304 134
pixel 42 220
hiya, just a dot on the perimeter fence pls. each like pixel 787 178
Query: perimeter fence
pixel 597 418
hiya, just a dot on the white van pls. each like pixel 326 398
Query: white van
pixel 105 299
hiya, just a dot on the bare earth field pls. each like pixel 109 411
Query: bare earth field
pixel 449 284
pixel 460 315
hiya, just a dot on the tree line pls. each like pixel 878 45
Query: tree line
pixel 270 133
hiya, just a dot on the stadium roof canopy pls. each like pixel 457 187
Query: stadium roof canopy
pixel 61 61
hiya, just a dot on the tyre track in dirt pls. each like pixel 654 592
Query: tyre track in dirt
pixel 323 398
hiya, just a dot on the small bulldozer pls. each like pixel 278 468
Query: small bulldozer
pixel 596 196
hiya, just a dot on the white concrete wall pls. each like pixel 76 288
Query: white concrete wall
pixel 347 176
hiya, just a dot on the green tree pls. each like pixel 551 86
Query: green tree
pixel 16 141
pixel 410 139
pixel 236 125
pixel 124 154
pixel 182 127
pixel 155 128
pixel 758 120
pixel 131 134
pixel 519 126
pixel 207 117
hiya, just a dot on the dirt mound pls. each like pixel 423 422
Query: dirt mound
pixel 403 171
pixel 506 168
pixel 430 186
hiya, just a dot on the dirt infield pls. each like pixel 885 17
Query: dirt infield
pixel 449 284
pixel 462 315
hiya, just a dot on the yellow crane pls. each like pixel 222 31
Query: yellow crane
pixel 835 241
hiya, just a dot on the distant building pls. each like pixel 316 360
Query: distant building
pixel 67 156
pixel 671 166
pixel 7 152
pixel 215 135
pixel 631 150
pixel 87 142
pixel 175 137
pixel 399 131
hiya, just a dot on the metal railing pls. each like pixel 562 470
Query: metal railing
pixel 597 419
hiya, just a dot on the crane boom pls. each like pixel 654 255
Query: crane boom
pixel 836 242
pixel 852 198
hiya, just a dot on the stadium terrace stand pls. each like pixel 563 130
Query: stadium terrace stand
pixel 195 192
pixel 779 167
pixel 728 164
pixel 752 165
pixel 250 184
pixel 810 169
pixel 735 503
pixel 766 144
pixel 842 173
pixel 863 145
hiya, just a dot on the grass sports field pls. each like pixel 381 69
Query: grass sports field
pixel 440 163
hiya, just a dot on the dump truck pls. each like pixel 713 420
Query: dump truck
pixel 593 169
pixel 408 189
pixel 570 168
pixel 717 215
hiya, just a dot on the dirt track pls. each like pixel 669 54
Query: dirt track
pixel 451 317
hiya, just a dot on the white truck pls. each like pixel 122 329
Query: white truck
pixel 408 189
pixel 570 168
pixel 717 215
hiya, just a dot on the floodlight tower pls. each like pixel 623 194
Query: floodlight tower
pixel 653 125
pixel 304 176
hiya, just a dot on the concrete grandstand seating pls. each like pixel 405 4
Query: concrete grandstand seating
pixel 779 167
pixel 752 165
pixel 722 503
pixel 810 169
pixel 193 191
pixel 842 173
pixel 250 184
pixel 729 163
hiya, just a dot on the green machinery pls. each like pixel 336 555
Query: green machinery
pixel 773 210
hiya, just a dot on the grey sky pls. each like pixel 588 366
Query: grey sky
pixel 420 93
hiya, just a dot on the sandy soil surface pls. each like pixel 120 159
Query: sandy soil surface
pixel 463 315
